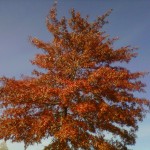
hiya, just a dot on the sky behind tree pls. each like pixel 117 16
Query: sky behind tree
pixel 19 19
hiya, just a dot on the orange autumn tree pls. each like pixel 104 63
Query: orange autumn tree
pixel 81 98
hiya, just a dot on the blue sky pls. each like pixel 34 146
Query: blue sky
pixel 19 19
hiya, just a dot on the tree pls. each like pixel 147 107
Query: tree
pixel 82 98
pixel 3 146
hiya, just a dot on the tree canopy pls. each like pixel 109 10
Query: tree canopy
pixel 81 96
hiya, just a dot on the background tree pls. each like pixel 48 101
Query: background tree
pixel 3 146
pixel 82 98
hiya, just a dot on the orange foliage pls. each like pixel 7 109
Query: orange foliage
pixel 80 95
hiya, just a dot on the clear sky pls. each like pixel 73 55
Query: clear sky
pixel 19 19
